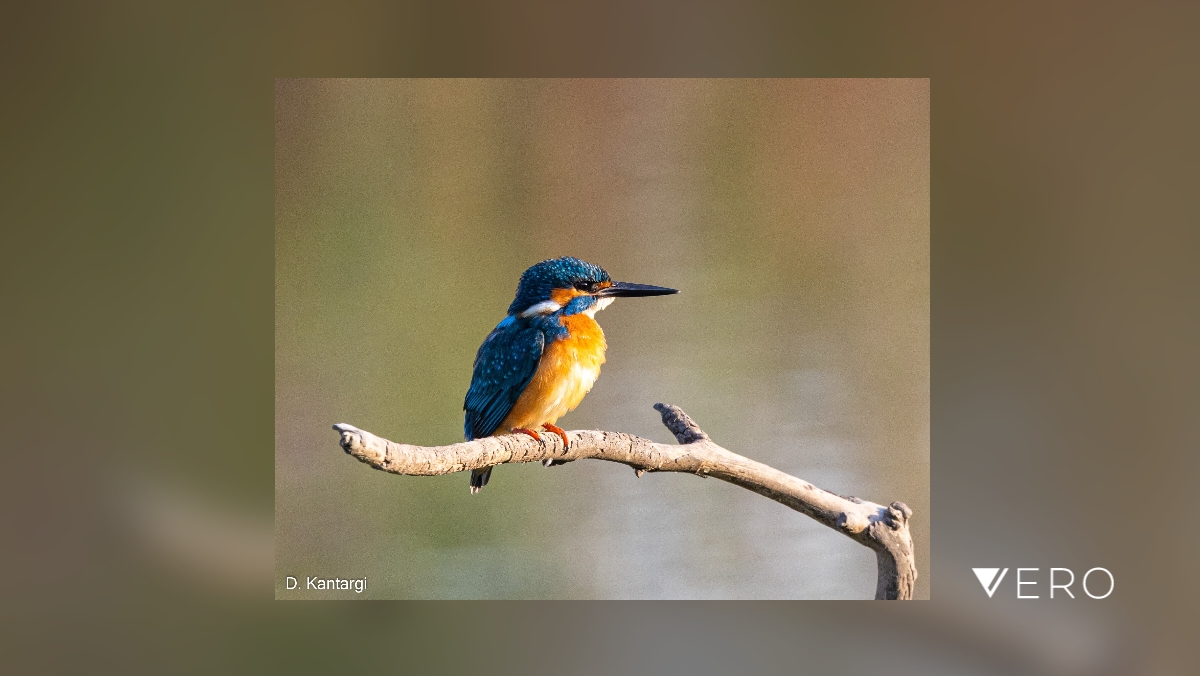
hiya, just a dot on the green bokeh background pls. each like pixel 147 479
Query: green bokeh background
pixel 792 214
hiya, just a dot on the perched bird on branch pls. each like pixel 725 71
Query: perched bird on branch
pixel 540 361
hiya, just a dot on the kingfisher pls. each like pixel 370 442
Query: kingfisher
pixel 541 359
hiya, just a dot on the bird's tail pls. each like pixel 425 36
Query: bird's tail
pixel 479 479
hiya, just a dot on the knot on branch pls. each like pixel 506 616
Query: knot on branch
pixel 898 514
pixel 685 429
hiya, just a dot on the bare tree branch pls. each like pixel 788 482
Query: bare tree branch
pixel 883 529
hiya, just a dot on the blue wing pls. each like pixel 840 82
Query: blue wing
pixel 504 365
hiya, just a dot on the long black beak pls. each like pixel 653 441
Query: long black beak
pixel 628 290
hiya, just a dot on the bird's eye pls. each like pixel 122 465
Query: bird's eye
pixel 585 286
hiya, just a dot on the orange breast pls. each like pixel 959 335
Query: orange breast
pixel 567 370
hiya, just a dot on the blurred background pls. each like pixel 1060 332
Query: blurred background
pixel 792 214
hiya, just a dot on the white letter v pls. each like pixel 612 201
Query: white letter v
pixel 986 575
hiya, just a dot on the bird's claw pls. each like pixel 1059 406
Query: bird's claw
pixel 526 430
pixel 550 427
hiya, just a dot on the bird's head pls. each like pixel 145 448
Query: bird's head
pixel 571 286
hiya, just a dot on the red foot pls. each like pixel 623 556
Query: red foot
pixel 524 430
pixel 559 431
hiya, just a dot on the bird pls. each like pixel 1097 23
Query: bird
pixel 545 355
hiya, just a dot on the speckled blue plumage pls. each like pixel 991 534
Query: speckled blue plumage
pixel 504 366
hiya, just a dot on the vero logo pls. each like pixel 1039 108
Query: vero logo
pixel 1060 579
pixel 989 579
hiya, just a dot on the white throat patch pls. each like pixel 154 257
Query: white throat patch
pixel 599 305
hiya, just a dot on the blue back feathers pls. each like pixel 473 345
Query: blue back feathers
pixel 504 366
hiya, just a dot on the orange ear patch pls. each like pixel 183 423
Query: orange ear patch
pixel 564 296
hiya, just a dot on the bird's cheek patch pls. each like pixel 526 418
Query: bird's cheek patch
pixel 564 296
